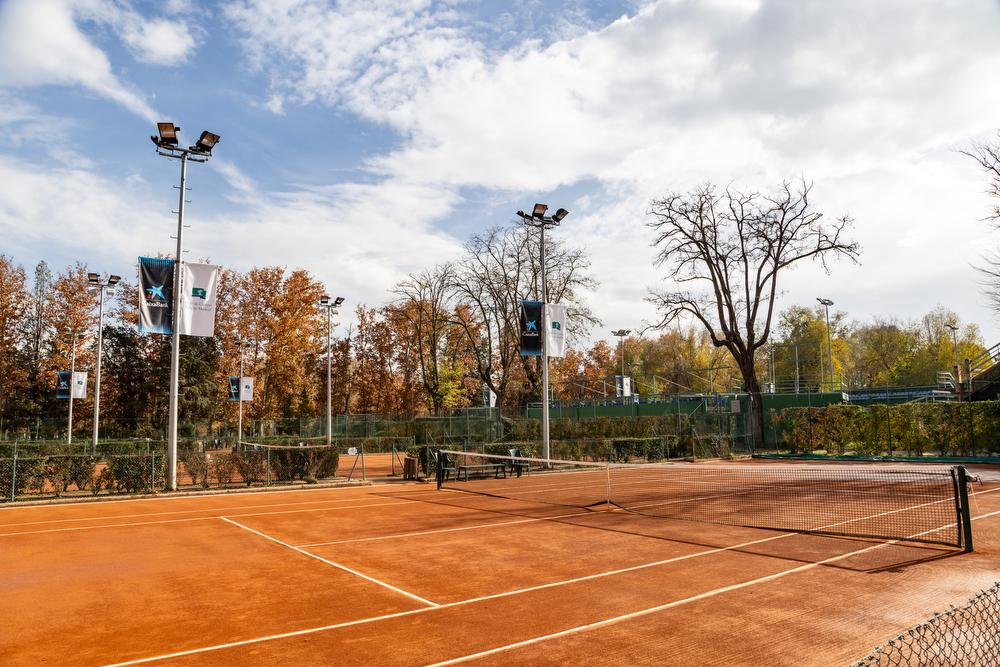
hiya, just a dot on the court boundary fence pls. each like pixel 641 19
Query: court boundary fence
pixel 966 635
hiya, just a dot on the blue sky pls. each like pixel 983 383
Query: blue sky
pixel 366 139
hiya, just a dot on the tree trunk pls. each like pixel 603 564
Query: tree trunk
pixel 756 405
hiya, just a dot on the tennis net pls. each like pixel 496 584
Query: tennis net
pixel 919 504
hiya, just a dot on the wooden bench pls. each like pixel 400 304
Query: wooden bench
pixel 498 469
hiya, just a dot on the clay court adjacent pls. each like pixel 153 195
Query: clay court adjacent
pixel 516 563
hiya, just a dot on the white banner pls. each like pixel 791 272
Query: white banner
pixel 555 330
pixel 246 389
pixel 199 292
pixel 79 384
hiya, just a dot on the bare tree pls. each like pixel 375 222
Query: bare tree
pixel 725 252
pixel 987 155
pixel 423 303
pixel 501 268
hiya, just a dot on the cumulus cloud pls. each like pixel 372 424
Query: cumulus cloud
pixel 734 91
pixel 158 41
pixel 41 44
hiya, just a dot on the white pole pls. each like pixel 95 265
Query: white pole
pixel 97 374
pixel 72 386
pixel 329 377
pixel 545 356
pixel 239 396
pixel 175 341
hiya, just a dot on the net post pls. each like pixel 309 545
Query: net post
pixel 439 473
pixel 965 518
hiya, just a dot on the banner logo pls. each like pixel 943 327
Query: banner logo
pixel 156 287
pixel 155 293
pixel 199 293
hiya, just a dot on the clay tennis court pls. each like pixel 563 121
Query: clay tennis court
pixel 405 574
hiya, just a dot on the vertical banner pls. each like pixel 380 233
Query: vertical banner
pixel 63 385
pixel 80 384
pixel 240 390
pixel 156 289
pixel 555 332
pixel 247 389
pixel 531 328
pixel 199 292
pixel 623 386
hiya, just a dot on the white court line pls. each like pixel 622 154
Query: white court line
pixel 336 565
pixel 209 509
pixel 187 495
pixel 670 605
pixel 449 605
pixel 445 530
pixel 200 518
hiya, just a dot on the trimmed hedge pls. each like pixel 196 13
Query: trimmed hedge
pixel 916 429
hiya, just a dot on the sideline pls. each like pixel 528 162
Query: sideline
pixel 336 565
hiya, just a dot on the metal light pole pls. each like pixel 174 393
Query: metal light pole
pixel 540 221
pixel 621 333
pixel 103 288
pixel 331 309
pixel 829 340
pixel 958 367
pixel 72 386
pixel 239 396
pixel 167 146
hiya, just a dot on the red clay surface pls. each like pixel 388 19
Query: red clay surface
pixel 406 575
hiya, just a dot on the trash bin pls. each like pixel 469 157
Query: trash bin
pixel 409 468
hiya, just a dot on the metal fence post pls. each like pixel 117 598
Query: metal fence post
pixel 13 477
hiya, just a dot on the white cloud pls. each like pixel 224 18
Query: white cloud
pixel 41 44
pixel 158 41
pixel 748 92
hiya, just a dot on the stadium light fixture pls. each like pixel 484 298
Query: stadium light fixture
pixel 958 368
pixel 167 145
pixel 621 333
pixel 206 142
pixel 559 215
pixel 168 134
pixel 539 210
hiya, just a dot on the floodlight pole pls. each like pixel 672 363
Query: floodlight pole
pixel 167 146
pixel 72 381
pixel 958 367
pixel 102 289
pixel 329 377
pixel 239 396
pixel 175 338
pixel 537 218
pixel 829 338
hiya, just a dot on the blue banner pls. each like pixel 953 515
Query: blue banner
pixel 531 328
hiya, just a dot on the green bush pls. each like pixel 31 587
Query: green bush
pixel 130 473
pixel 196 464
pixel 27 473
pixel 222 468
pixel 251 466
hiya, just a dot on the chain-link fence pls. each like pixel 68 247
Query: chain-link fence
pixel 967 635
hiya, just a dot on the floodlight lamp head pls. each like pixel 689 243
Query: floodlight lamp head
pixel 952 326
pixel 113 280
pixel 324 301
pixel 93 279
pixel 339 300
pixel 168 134
pixel 559 215
pixel 206 142
pixel 825 302
pixel 539 210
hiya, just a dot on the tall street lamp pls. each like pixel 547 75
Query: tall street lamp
pixel 540 221
pixel 958 369
pixel 243 345
pixel 104 288
pixel 331 309
pixel 829 344
pixel 72 388
pixel 167 145
pixel 621 333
